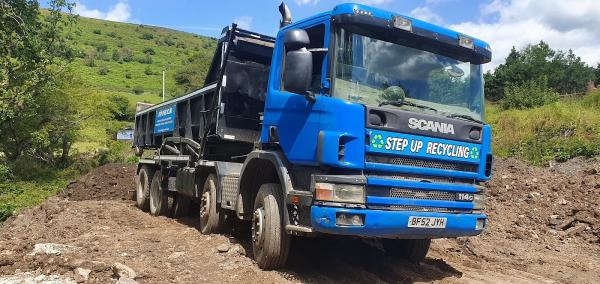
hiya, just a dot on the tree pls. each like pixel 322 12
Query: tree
pixel 597 74
pixel 564 72
pixel 37 117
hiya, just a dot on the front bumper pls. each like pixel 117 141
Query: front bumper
pixel 393 224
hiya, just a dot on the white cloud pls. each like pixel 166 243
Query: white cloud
pixel 373 2
pixel 118 13
pixel 562 24
pixel 306 2
pixel 244 22
pixel 425 14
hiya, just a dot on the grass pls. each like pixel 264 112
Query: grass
pixel 557 131
pixel 168 48
pixel 18 194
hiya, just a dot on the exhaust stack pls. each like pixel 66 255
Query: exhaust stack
pixel 286 15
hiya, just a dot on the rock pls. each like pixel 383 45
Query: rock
pixel 121 270
pixel 89 264
pixel 562 201
pixel 236 249
pixel 534 180
pixel 81 274
pixel 223 248
pixel 176 255
pixel 125 280
pixel 566 224
pixel 54 249
pixel 553 220
pixel 580 227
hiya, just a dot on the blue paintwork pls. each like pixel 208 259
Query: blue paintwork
pixel 165 119
pixel 390 224
pixel 310 134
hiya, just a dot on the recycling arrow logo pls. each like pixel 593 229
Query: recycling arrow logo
pixel 474 153
pixel 377 141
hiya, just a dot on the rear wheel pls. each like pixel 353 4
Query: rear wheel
pixel 159 198
pixel 142 190
pixel 270 242
pixel 211 217
pixel 411 250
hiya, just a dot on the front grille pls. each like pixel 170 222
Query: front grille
pixel 423 163
pixel 420 178
pixel 422 194
pixel 420 209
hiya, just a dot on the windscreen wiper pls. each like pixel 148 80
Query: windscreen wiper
pixel 464 116
pixel 405 103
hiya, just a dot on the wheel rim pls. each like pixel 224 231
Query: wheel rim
pixel 258 227
pixel 205 207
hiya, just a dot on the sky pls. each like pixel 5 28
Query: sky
pixel 572 24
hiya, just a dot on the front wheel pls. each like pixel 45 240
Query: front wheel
pixel 411 250
pixel 270 242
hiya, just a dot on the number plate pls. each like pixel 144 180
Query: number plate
pixel 426 222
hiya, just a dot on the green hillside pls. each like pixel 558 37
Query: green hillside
pixel 129 58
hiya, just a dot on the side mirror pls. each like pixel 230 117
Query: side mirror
pixel 297 72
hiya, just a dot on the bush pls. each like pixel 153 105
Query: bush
pixel 103 56
pixel 127 54
pixel 148 71
pixel 148 50
pixel 169 41
pixel 90 60
pixel 147 36
pixel 101 47
pixel 533 93
pixel 112 34
pixel 120 44
pixel 128 75
pixel 138 90
pixel 116 55
pixel 147 59
pixel 5 174
pixel 103 70
pixel 97 31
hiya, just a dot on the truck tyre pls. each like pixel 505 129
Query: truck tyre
pixel 142 190
pixel 159 198
pixel 411 250
pixel 182 206
pixel 270 242
pixel 211 217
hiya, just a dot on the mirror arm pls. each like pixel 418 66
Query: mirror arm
pixel 310 96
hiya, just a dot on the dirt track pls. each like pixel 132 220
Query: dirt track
pixel 544 227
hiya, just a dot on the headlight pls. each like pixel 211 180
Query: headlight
pixel 343 193
pixel 478 201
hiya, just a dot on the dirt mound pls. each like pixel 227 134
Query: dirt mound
pixel 108 182
pixel 543 227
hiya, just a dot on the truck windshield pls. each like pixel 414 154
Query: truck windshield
pixel 379 73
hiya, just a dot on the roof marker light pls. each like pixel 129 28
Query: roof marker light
pixel 402 23
pixel 363 12
pixel 465 41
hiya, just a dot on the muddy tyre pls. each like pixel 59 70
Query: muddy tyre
pixel 411 250
pixel 142 191
pixel 159 197
pixel 270 242
pixel 211 216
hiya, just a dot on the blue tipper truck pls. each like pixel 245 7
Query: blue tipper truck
pixel 356 121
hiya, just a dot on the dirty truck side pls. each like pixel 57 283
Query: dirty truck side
pixel 356 121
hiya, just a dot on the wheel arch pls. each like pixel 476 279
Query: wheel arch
pixel 259 168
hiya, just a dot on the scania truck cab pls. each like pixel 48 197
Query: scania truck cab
pixel 356 121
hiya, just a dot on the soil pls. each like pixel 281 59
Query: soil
pixel 543 227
